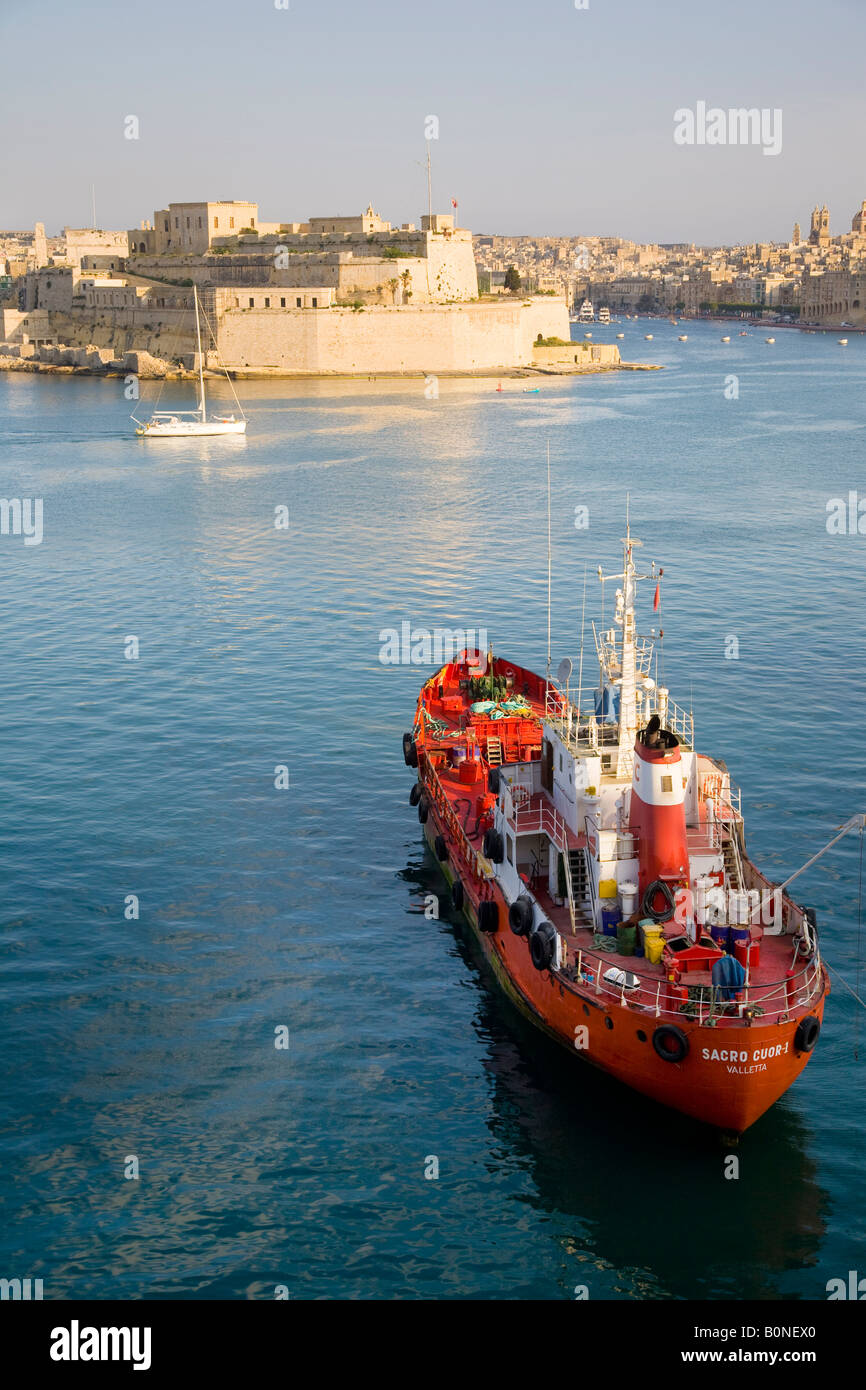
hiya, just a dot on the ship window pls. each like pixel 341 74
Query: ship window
pixel 641 1035
pixel 608 1022
pixel 667 784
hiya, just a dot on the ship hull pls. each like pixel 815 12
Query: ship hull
pixel 728 1077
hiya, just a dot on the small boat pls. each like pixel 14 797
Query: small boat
pixel 684 337
pixel 586 314
pixel 675 322
pixel 531 390
pixel 604 315
pixel 184 424
pixel 743 333
pixel 649 337
pixel 843 342
pixel 620 335
pixel 587 335
pixel 769 340
pixel 726 340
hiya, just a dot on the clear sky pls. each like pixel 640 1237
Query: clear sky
pixel 552 120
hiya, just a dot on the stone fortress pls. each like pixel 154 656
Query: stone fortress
pixel 333 296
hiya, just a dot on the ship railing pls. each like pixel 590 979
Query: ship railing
pixel 761 1004
pixel 541 819
pixel 463 849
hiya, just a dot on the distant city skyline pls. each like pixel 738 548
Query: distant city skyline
pixel 553 121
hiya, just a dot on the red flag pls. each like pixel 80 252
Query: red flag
pixel 657 599
pixel 454 202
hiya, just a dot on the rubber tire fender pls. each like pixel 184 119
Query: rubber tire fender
pixel 807 1033
pixel 670 1032
pixel 542 945
pixel 494 847
pixel 488 917
pixel 493 781
pixel 415 794
pixel 441 848
pixel 410 751
pixel 520 915
pixel 457 894
pixel 423 809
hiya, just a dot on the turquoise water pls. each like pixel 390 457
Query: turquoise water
pixel 302 908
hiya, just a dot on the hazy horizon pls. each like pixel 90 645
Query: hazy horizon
pixel 553 121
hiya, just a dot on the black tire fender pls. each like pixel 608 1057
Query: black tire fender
pixel 542 945
pixel 807 1033
pixel 457 894
pixel 441 848
pixel 494 847
pixel 520 915
pixel 415 794
pixel 423 809
pixel 670 1043
pixel 488 917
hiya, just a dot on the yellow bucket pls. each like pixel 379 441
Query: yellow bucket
pixel 654 949
pixel 607 888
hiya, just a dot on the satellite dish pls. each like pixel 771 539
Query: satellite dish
pixel 564 670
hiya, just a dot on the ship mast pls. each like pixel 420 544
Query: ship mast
pixel 627 677
pixel 201 404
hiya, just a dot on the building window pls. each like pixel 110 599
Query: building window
pixel 282 304
pixel 231 222
pixel 252 221
pixel 176 223
pixel 187 224
pixel 252 302
pixel 667 784
pixel 299 304
pixel 267 302
pixel 199 222
pixel 216 221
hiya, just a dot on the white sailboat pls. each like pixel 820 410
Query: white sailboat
pixel 181 424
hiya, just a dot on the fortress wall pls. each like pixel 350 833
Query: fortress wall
pixel 470 337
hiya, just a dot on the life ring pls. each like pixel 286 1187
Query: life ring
pixel 441 848
pixel 542 946
pixel 423 809
pixel 806 1035
pixel 457 894
pixel 520 915
pixel 488 917
pixel 670 1043
pixel 658 886
pixel 415 794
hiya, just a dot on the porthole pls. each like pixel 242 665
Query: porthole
pixel 608 1022
pixel 641 1035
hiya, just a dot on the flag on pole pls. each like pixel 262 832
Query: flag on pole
pixel 657 599
pixel 454 204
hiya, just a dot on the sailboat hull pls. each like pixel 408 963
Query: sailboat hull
pixel 184 429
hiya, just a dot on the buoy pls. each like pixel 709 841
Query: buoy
pixel 684 337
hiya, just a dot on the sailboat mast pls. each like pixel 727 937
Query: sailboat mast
pixel 201 405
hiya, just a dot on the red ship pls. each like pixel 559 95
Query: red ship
pixel 601 860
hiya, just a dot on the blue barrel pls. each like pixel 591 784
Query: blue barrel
pixel 721 935
pixel 610 918
pixel 741 936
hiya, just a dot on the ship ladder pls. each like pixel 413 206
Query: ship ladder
pixel 494 752
pixel 733 867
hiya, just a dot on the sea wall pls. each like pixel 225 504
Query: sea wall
pixel 431 338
